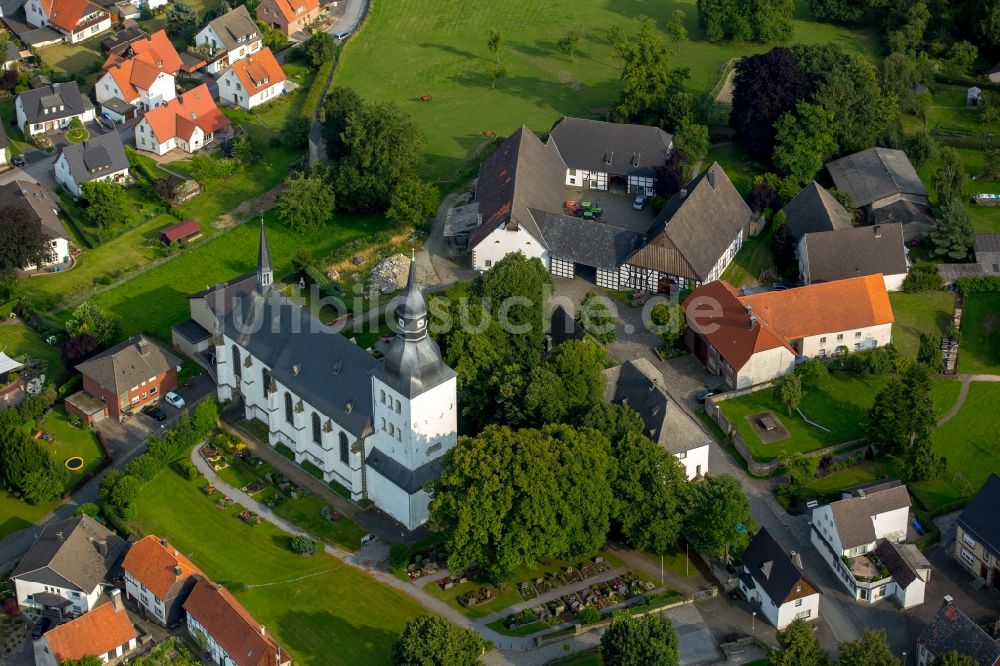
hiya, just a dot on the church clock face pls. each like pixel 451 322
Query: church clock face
pixel 421 323
pixel 402 324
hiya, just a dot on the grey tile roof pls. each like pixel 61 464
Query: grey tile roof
pixel 563 328
pixel 815 209
pixel 191 331
pixel 836 255
pixel 981 517
pixel 118 42
pixel 951 629
pixel 13 53
pixel 615 148
pixel 128 364
pixel 52 97
pixel 410 480
pixel 899 568
pixel 233 25
pixel 585 241
pixel 38 203
pixel 915 218
pixel 695 229
pixel 876 173
pixel 853 517
pixel 771 567
pixel 96 157
pixel 523 173
pixel 79 550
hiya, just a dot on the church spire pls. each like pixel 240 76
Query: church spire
pixel 411 313
pixel 265 274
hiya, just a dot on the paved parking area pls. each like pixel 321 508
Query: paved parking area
pixel 617 206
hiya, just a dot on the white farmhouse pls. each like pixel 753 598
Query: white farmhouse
pixel 228 38
pixel 101 157
pixel 76 20
pixel 773 579
pixel 252 81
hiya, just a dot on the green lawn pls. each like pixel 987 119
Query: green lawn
pixel 443 46
pixel 971 446
pixel 16 514
pixel 753 257
pixel 863 473
pixel 588 659
pixel 985 219
pixel 71 61
pixel 927 312
pixel 740 168
pixel 840 403
pixel 979 348
pixel 68 441
pixel 306 512
pixel 19 341
pixel 309 604
pixel 157 298
pixel 944 393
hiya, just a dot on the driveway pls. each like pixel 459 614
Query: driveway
pixel 38 169
pixel 348 16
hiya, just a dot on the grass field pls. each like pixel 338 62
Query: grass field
pixel 733 159
pixel 979 348
pixel 840 403
pixel 864 473
pixel 753 257
pixel 927 312
pixel 985 219
pixel 443 44
pixel 16 514
pixel 306 512
pixel 309 604
pixel 944 394
pixel 156 299
pixel 68 61
pixel 18 341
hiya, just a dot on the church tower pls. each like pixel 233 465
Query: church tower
pixel 265 274
pixel 414 412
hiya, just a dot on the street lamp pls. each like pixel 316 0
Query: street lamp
pixel 753 621
pixel 904 659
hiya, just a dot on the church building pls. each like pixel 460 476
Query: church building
pixel 378 427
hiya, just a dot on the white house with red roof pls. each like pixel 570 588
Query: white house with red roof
pixel 159 578
pixel 228 38
pixel 188 122
pixel 142 76
pixel 288 16
pixel 77 20
pixel 252 81
pixel 105 632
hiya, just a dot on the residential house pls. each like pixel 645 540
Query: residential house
pixel 158 578
pixel 141 76
pixel 825 256
pixel 116 43
pixel 39 205
pixel 252 81
pixel 815 209
pixel 860 538
pixel 885 187
pixel 598 154
pixel 106 632
pixel 67 565
pixel 977 534
pixel 773 579
pixel 228 38
pixel 128 376
pixel 288 16
pixel 231 635
pixel 749 340
pixel 51 108
pixel 75 20
pixel 639 385
pixel 951 630
pixel 378 427
pixel 188 122
pixel 101 157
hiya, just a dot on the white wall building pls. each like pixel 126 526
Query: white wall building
pixel 101 157
pixel 229 38
pixel 773 579
pixel 105 632
pixel 76 20
pixel 252 81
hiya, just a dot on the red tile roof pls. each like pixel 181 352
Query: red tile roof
pixel 179 116
pixel 258 71
pixel 157 50
pixel 66 14
pixel 94 633
pixel 149 58
pixel 289 8
pixel 154 564
pixel 181 230
pixel 232 626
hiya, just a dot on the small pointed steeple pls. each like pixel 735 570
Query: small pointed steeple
pixel 265 274
pixel 411 313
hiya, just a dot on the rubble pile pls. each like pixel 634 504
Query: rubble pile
pixel 390 273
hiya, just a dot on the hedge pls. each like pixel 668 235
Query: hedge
pixel 978 283
pixel 316 89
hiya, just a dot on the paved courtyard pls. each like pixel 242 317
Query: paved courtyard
pixel 617 206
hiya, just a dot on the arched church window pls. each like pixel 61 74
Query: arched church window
pixel 317 429
pixel 237 366
pixel 344 448
pixel 289 407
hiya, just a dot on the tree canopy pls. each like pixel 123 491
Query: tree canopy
pixel 804 141
pixel 630 641
pixel 954 658
pixel 953 237
pixel 515 291
pixel 797 646
pixel 22 240
pixel 652 91
pixel 746 20
pixel 872 649
pixel 88 318
pixel 431 640
pixel 107 203
pixel 723 523
pixel 306 203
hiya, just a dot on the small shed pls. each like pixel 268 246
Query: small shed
pixel 186 230
pixel 972 97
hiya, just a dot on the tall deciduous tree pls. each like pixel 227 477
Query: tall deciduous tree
pixel 515 290
pixel 596 318
pixel 652 91
pixel 22 240
pixel 950 179
pixel 570 41
pixel 413 201
pixel 788 391
pixel 88 318
pixel 765 87
pixel 319 47
pixel 107 203
pixel 804 141
pixel 338 106
pixel 691 140
pixel 509 498
pixel 723 522
pixel 872 649
pixel 954 658
pixel 797 646
pixel 861 112
pixel 306 203
pixel 746 20
pixel 953 237
pixel 567 386
pixel 847 11
pixel 430 640
pixel 910 35
pixel 903 411
pixel 630 641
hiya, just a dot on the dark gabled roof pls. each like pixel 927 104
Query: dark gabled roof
pixel 128 364
pixel 585 241
pixel 773 570
pixel 951 629
pixel 38 203
pixel 615 148
pixel 410 480
pixel 53 96
pixel 118 42
pixel 981 517
pixel 899 568
pixel 191 331
pixel 234 24
pixel 78 550
pixel 853 517
pixel 96 157
pixel 916 218
pixel 695 229
pixel 876 173
pixel 563 328
pixel 836 255
pixel 863 489
pixel 523 173
pixel 814 209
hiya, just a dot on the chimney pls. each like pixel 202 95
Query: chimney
pixel 878 231
pixel 711 178
pixel 143 346
pixel 349 406
pixel 683 193
pixel 796 559
pixel 635 159
pixel 163 542
pixel 102 548
pixel 116 599
pixel 753 321
pixel 263 632
pixel 59 537
pixel 948 600
pixel 296 368
pixel 177 570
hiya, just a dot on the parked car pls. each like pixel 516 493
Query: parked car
pixel 367 539
pixel 342 35
pixel 107 123
pixel 43 625
pixel 174 400
pixel 18 161
pixel 640 202
pixel 154 412
pixel 703 395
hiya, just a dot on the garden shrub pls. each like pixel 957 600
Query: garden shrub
pixel 87 509
pixel 187 470
pixel 978 283
pixel 589 615
pixel 399 555
pixel 923 276
pixel 303 545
